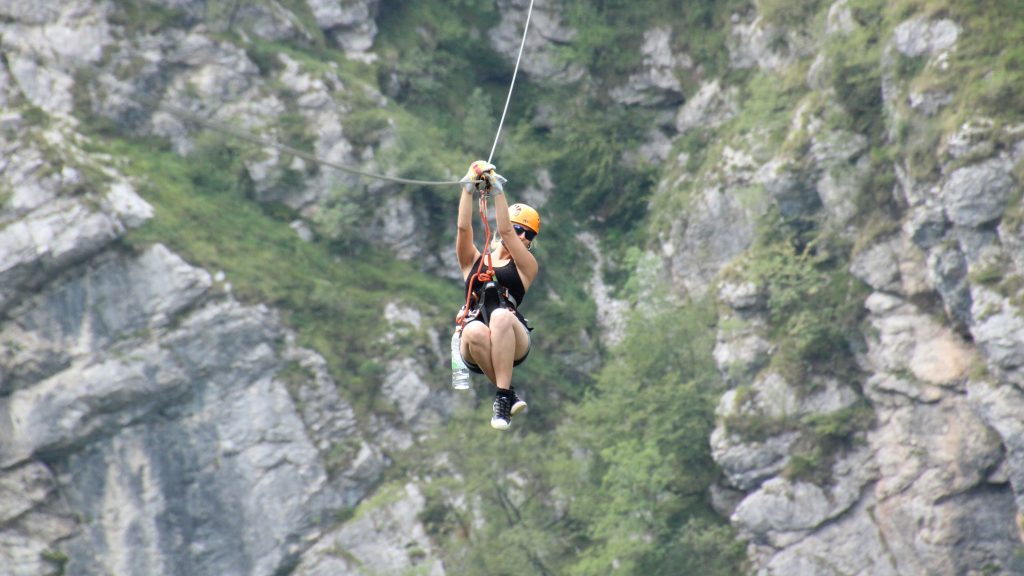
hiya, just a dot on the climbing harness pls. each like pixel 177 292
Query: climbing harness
pixel 478 275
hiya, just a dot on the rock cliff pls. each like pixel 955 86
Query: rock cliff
pixel 151 422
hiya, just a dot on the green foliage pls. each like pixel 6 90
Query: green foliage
pixel 594 144
pixel 612 465
pixel 622 482
pixel 35 116
pixel 707 548
pixel 56 557
pixel 854 72
pixel 789 13
pixel 479 123
pixel 987 68
pixel 265 56
pixel 767 104
pixel 366 126
pixel 142 17
pixel 823 438
pixel 435 55
pixel 203 212
pixel 339 217
pixel 643 433
pixel 608 42
pixel 814 303
pixel 510 483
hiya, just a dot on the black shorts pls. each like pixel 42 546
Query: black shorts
pixel 474 368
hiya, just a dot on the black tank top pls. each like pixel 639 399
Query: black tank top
pixel 508 277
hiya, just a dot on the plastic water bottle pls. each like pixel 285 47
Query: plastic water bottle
pixel 460 373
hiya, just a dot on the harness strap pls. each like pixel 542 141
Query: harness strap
pixel 485 257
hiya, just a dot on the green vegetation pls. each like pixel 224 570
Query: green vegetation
pixel 620 483
pixel 814 303
pixel 610 470
pixel 854 71
pixel 823 438
pixel 607 42
pixel 56 557
pixel 203 212
pixel 790 13
pixel 987 68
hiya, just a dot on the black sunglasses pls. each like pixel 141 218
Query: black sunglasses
pixel 530 234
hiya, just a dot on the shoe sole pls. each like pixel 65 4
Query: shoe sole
pixel 500 425
pixel 518 407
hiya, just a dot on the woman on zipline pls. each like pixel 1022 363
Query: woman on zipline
pixel 495 336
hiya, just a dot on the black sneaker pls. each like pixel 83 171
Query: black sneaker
pixel 518 404
pixel 502 418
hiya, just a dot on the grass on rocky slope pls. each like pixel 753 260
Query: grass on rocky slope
pixel 334 302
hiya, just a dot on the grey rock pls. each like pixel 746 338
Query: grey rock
pixel 906 340
pixel 657 84
pixel 83 316
pixel 849 544
pixel 973 138
pixel 718 227
pixel 210 494
pixel 725 499
pixel 740 353
pixel 929 103
pixel 999 407
pixel 1011 238
pixel 349 22
pixel 926 225
pixel 52 237
pixel 386 537
pixel 708 108
pixel 754 42
pixel 611 311
pixel 352 464
pixel 924 500
pixel 32 13
pixel 880 389
pixel 893 265
pixel 790 190
pixel 918 37
pixel 748 464
pixel 840 20
pixel 947 269
pixel 741 295
pixel 782 512
pixel 998 328
pixel 878 265
pixel 548 32
pixel 34 520
pixel 977 194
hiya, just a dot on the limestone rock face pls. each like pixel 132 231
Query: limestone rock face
pixel 183 428
pixel 350 22
pixel 933 484
pixel 384 538
pixel 548 30
pixel 151 423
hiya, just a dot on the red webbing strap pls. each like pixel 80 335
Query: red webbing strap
pixel 485 257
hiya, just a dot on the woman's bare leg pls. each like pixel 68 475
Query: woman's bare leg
pixel 495 348
pixel 476 347
pixel 503 347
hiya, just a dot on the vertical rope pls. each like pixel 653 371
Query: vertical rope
pixel 515 72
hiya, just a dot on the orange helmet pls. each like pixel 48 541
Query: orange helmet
pixel 524 216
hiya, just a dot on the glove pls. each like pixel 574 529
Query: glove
pixel 476 175
pixel 496 183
